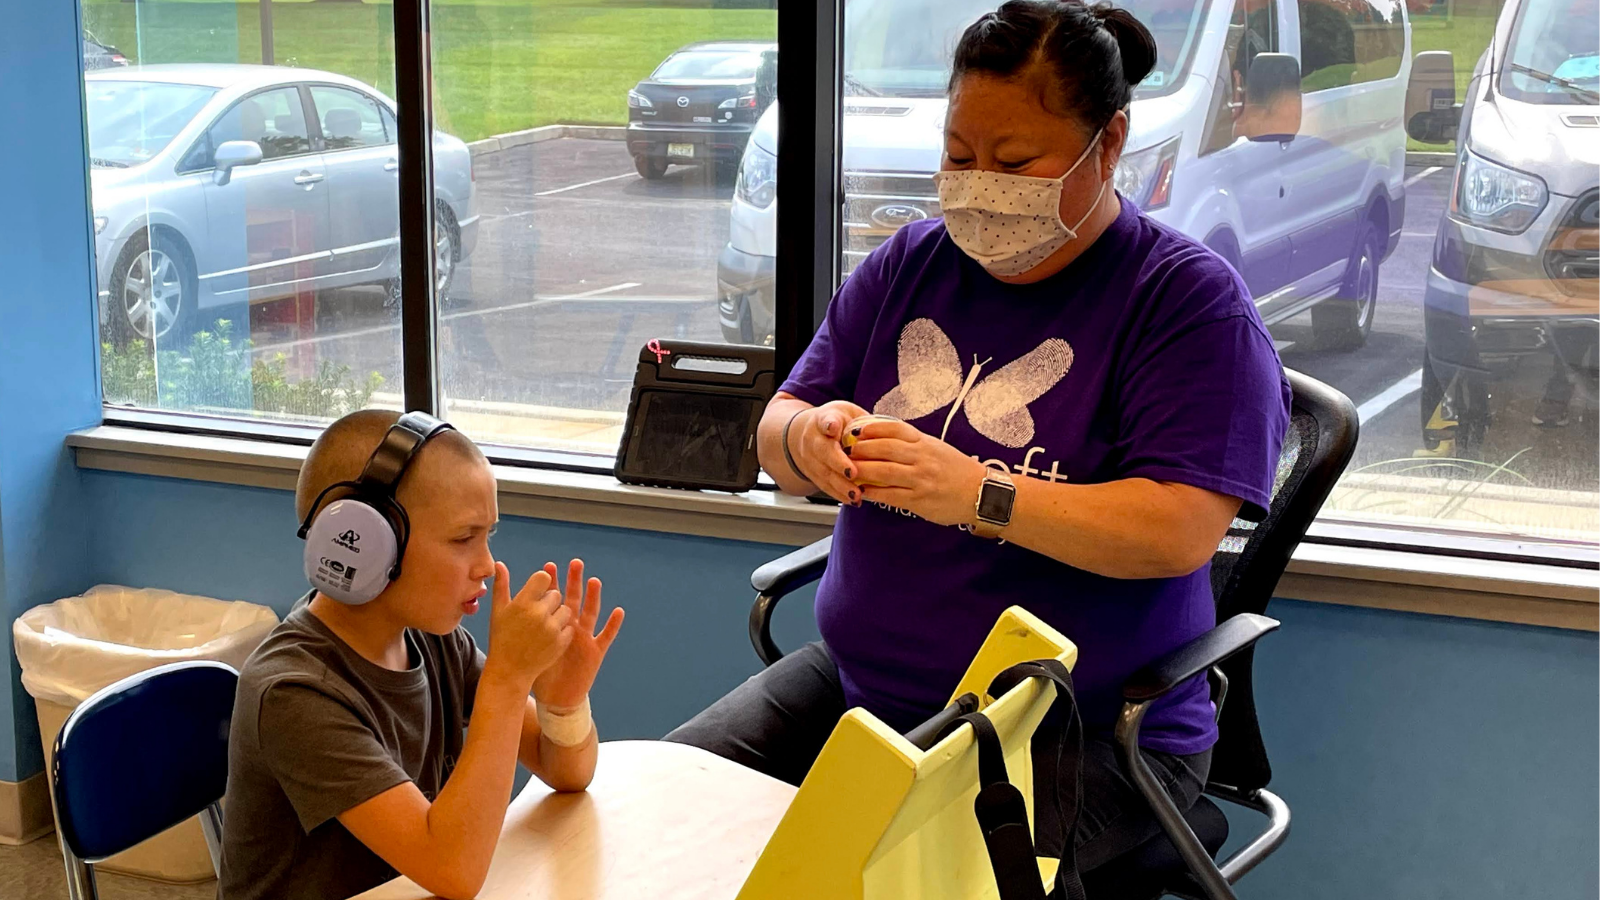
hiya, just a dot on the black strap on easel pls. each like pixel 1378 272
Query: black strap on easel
pixel 1003 814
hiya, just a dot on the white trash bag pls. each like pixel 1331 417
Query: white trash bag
pixel 73 647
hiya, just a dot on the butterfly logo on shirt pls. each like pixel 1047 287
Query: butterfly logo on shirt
pixel 932 377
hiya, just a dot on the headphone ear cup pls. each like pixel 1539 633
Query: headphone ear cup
pixel 350 549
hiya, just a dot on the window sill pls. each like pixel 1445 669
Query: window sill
pixel 1521 592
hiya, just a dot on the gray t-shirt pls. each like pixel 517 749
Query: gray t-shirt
pixel 318 729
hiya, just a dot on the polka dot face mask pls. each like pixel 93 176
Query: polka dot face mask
pixel 1009 223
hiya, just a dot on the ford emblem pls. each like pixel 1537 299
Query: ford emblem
pixel 683 102
pixel 894 215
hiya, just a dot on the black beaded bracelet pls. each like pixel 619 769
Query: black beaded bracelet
pixel 788 456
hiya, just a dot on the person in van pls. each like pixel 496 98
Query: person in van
pixel 1082 400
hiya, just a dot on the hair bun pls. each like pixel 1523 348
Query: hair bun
pixel 1137 46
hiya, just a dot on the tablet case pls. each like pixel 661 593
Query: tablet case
pixel 693 414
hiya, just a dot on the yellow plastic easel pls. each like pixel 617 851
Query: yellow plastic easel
pixel 878 819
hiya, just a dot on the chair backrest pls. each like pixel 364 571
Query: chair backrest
pixel 878 819
pixel 142 755
pixel 1323 427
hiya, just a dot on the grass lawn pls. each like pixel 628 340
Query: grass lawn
pixel 499 65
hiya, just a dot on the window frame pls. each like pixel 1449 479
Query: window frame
pixel 808 261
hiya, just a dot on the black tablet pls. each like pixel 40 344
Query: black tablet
pixel 693 415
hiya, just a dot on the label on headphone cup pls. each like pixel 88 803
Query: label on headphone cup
pixel 335 574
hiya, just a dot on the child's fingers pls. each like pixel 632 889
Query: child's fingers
pixel 591 606
pixel 538 583
pixel 575 585
pixel 613 625
pixel 501 596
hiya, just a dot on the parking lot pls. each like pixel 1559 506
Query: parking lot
pixel 580 262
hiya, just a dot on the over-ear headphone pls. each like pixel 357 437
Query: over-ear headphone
pixel 354 546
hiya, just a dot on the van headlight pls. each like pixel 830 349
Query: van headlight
pixel 1495 197
pixel 758 177
pixel 1145 177
pixel 100 224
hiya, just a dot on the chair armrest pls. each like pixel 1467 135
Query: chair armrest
pixel 1195 657
pixel 793 571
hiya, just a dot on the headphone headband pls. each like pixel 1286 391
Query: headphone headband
pixel 355 545
pixel 398 447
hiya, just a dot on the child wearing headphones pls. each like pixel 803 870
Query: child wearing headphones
pixel 348 764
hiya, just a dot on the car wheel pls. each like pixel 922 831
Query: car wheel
pixel 651 167
pixel 153 291
pixel 446 252
pixel 1344 321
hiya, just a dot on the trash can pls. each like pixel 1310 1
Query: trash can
pixel 73 647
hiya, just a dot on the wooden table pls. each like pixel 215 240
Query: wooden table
pixel 664 821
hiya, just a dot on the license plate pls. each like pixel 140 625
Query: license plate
pixel 702 120
pixel 681 150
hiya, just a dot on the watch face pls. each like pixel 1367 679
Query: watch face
pixel 995 501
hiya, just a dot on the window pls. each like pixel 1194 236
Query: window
pixel 1474 369
pixel 1552 58
pixel 590 199
pixel 1349 42
pixel 348 119
pixel 1252 31
pixel 274 120
pixel 609 177
pixel 243 273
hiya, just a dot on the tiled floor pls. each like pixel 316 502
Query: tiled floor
pixel 34 872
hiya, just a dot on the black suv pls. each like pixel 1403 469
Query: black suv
pixel 699 106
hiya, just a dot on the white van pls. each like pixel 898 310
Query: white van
pixel 1516 262
pixel 1270 129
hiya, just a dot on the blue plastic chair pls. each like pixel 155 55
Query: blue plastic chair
pixel 139 757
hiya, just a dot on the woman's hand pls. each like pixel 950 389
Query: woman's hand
pixel 567 681
pixel 814 443
pixel 904 468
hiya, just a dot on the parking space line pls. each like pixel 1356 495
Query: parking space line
pixel 1423 174
pixel 573 187
pixel 1391 395
pixel 536 301
pixel 474 313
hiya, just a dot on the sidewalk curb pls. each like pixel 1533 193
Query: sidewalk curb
pixel 1430 158
pixel 544 133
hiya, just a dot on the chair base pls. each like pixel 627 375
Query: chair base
pixel 1154 867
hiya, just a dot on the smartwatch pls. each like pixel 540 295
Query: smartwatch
pixel 996 498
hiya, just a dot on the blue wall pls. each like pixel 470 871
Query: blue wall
pixel 1423 757
pixel 48 371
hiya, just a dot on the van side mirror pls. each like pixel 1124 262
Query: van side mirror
pixel 231 154
pixel 1432 114
pixel 1272 104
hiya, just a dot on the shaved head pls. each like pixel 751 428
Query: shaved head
pixel 344 447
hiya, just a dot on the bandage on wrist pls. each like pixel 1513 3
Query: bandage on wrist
pixel 567 729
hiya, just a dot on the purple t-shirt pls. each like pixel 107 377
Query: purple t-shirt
pixel 1143 358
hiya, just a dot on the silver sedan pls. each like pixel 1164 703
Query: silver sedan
pixel 218 186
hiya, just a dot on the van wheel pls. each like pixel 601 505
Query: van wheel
pixel 650 167
pixel 1344 321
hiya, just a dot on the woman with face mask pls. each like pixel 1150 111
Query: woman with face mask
pixel 1073 404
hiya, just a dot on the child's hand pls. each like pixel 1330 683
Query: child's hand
pixel 529 632
pixel 565 684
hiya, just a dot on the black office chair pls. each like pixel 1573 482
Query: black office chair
pixel 1244 572
pixel 139 757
